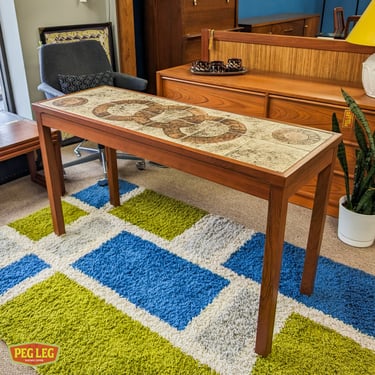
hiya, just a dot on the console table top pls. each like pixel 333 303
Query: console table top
pixel 267 144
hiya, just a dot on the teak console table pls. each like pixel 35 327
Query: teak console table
pixel 270 160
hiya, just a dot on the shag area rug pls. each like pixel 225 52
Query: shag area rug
pixel 156 286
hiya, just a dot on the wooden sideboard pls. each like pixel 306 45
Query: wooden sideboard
pixel 172 32
pixel 282 97
pixel 282 24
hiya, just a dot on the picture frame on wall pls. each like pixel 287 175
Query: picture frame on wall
pixel 101 32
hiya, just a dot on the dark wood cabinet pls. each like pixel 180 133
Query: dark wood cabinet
pixel 172 30
pixel 283 24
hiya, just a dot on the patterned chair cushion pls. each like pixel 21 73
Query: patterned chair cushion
pixel 71 83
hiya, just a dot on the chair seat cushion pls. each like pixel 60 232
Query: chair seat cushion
pixel 71 83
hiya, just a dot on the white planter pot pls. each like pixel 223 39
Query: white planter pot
pixel 355 229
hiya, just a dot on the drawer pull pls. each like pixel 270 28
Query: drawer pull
pixel 288 30
pixel 195 2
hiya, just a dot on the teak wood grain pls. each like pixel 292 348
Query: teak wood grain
pixel 313 58
pixel 126 36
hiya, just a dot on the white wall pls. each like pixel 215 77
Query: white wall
pixel 14 56
pixel 21 19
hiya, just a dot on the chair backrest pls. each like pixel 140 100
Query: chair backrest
pixel 338 20
pixel 76 58
pixel 350 22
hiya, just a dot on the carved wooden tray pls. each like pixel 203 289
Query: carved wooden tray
pixel 233 73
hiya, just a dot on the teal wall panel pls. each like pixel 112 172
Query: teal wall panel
pixel 251 8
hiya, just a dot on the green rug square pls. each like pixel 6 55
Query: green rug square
pixel 93 336
pixel 166 217
pixel 39 224
pixel 306 347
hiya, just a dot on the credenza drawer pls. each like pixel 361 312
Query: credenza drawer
pixel 235 101
pixel 289 28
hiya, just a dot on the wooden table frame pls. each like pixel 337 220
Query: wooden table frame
pixel 273 186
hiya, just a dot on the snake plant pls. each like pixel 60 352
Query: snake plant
pixel 360 195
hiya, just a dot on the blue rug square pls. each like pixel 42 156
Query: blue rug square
pixel 97 196
pixel 16 272
pixel 152 278
pixel 343 292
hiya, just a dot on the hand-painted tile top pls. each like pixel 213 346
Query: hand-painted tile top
pixel 264 143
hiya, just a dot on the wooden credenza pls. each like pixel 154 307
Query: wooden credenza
pixel 172 30
pixel 283 24
pixel 284 98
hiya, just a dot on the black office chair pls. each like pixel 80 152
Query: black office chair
pixel 74 66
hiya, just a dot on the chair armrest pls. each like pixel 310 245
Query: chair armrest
pixel 127 81
pixel 49 91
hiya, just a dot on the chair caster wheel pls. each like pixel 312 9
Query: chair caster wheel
pixel 141 165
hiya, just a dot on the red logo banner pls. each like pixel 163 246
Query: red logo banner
pixel 34 354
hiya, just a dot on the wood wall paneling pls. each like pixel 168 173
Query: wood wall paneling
pixel 126 36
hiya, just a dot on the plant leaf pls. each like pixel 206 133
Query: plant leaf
pixel 356 110
pixel 341 155
pixel 363 195
pixel 365 205
pixel 361 137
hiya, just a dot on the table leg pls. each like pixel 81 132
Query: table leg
pixel 53 177
pixel 112 175
pixel 33 170
pixel 40 179
pixel 276 221
pixel 316 229
pixel 57 148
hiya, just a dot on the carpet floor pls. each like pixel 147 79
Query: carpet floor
pixel 162 285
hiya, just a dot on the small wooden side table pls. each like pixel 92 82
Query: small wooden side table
pixel 20 136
